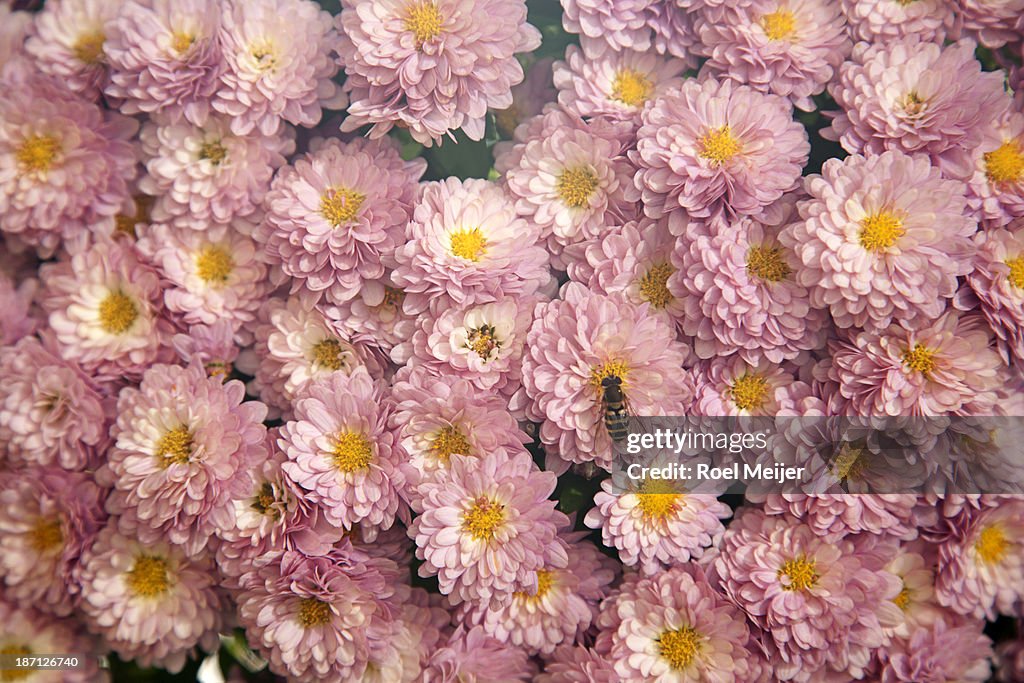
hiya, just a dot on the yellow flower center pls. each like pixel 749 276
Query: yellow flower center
pixel 919 359
pixel 749 392
pixel 214 264
pixel 265 499
pixel 148 577
pixel 89 48
pixel 1006 164
pixel 576 186
pixel 37 153
pixel 680 647
pixel 654 285
pixel 46 536
pixel 340 205
pixel 801 572
pixel 779 25
pixel 658 499
pixel 15 650
pixel 719 145
pixel 352 451
pixel 991 545
pixel 482 341
pixel 482 518
pixel 545 580
pixel 118 313
pixel 265 55
pixel 631 87
pixel 903 599
pixel 182 41
pixel 448 442
pixel 469 244
pixel 175 447
pixel 424 21
pixel 393 298
pixel 125 224
pixel 848 463
pixel 313 613
pixel 328 354
pixel 880 231
pixel 612 368
pixel 214 152
pixel 768 264
pixel 1016 276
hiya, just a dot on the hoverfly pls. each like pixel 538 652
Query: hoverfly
pixel 616 408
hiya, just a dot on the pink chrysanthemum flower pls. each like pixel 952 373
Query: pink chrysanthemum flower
pixel 981 571
pixel 51 413
pixel 528 98
pixel 472 656
pixel 672 24
pixel 47 518
pixel 837 515
pixel 487 526
pixel 148 601
pixel 337 211
pixel 819 603
pixel 713 145
pixel 65 164
pixel 996 188
pixel 16 301
pixel 68 42
pixel 396 52
pixel 993 22
pixel 577 342
pixel 208 174
pixel 944 368
pixel 788 47
pixel 106 311
pixel 996 286
pixel 733 387
pixel 399 652
pixel 213 275
pixel 889 20
pixel 184 447
pixel 914 565
pixel 577 664
pixel 26 632
pixel 341 451
pixel 615 84
pixel 165 57
pixel 609 25
pixel 956 651
pixel 375 314
pixel 916 97
pixel 882 238
pixel 466 244
pixel 276 69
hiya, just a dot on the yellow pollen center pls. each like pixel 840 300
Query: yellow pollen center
pixel 903 599
pixel 313 613
pixel 125 224
pixel 214 264
pixel 680 647
pixel 482 518
pixel 631 88
pixel 749 392
pixel 612 368
pixel 265 499
pixel 15 650
pixel 352 451
pixel 545 580
pixel 881 231
pixel 1006 164
pixel 1016 276
pixel 118 313
pixel 801 572
pixel 327 354
pixel 89 48
pixel 768 264
pixel 448 442
pixel 576 185
pixel 181 41
pixel 392 297
pixel 482 341
pixel 37 153
pixel 991 545
pixel 719 145
pixel 175 447
pixel 148 577
pixel 46 536
pixel 919 359
pixel 265 56
pixel 468 244
pixel 340 205
pixel 657 499
pixel 848 463
pixel 424 21
pixel 779 25
pixel 214 152
pixel 654 285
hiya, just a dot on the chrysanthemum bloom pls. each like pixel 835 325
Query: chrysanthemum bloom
pixel 944 368
pixel 996 286
pixel 335 212
pixel 713 145
pixel 788 47
pixel 675 628
pixel 165 57
pixel 577 342
pixel 47 518
pixel 276 69
pixel 996 188
pixel 14 28
pixel 472 656
pixel 106 311
pixel 19 319
pixel 609 25
pixel 487 526
pixel 577 664
pixel 946 651
pixel 818 602
pixel 562 608
pixel 148 601
pixel 528 98
pixel 993 22
pixel 310 617
pixel 916 97
pixel 341 451
pixel 213 346
pixel 51 413
pixel 981 571
pixel 888 20
pixel 615 84
pixel 211 275
pixel 733 387
pixel 882 238
pixel 68 43
pixel 184 447
pixel 65 164
pixel 375 314
pixel 400 650
pixel 466 244
pixel 836 515
pixel 396 52
pixel 26 632
pixel 914 564
pixel 208 174
pixel 672 24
